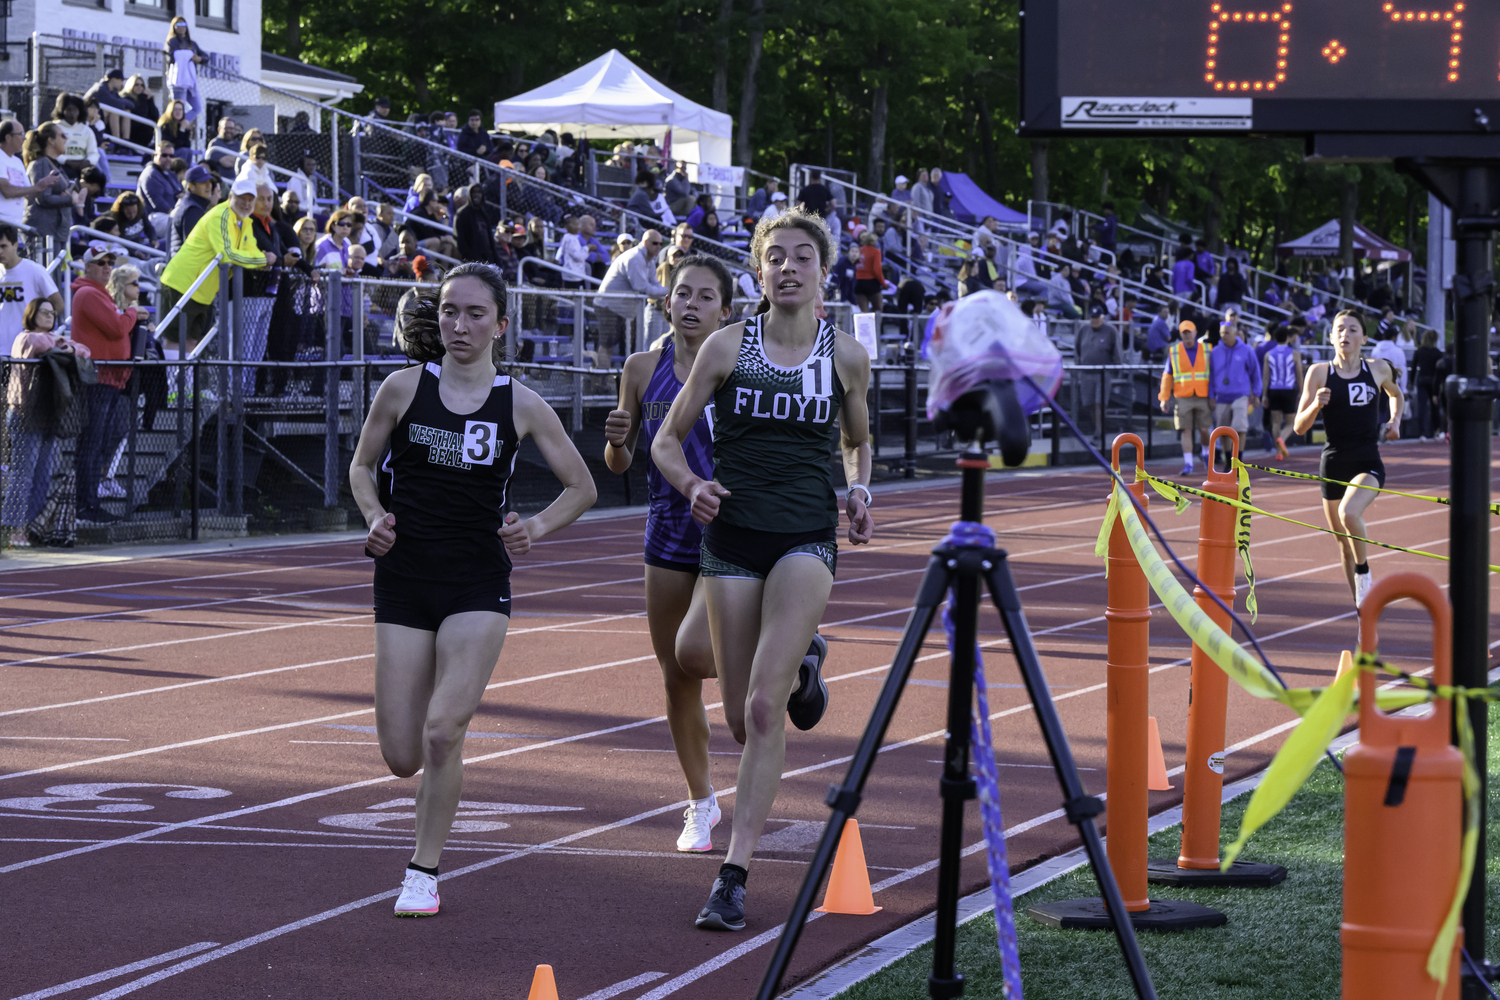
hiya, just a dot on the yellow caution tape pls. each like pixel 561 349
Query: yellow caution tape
pixel 1295 761
pixel 1242 542
pixel 1494 507
pixel 1322 709
pixel 1248 672
pixel 1169 490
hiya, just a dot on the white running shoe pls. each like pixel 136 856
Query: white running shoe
pixel 698 824
pixel 1362 584
pixel 419 895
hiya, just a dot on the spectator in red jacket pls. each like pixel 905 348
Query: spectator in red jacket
pixel 105 330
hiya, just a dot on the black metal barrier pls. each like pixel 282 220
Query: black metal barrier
pixel 210 448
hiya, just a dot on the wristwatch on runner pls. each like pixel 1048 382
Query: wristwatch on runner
pixel 869 498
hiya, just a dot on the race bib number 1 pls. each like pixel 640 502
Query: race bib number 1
pixel 817 377
pixel 479 442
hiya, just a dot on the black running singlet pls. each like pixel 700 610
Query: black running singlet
pixel 1352 417
pixel 449 475
pixel 773 435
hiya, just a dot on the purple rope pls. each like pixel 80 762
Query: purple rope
pixel 969 534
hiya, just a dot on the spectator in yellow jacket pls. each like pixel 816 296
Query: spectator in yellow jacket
pixel 224 229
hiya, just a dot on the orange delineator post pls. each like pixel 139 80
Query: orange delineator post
pixel 1208 699
pixel 1403 822
pixel 1128 676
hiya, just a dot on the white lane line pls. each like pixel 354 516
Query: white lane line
pixel 314 663
pixel 83 654
pixel 184 684
pixel 72 739
pixel 625 986
pixel 325 718
pixel 179 579
pixel 100 977
pixel 706 967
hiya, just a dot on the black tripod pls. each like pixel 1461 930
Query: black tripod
pixel 987 414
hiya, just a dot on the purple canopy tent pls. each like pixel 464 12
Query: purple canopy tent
pixel 1324 242
pixel 969 204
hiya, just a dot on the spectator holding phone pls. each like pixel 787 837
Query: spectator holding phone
pixel 50 210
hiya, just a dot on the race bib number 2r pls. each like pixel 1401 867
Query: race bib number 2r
pixel 479 442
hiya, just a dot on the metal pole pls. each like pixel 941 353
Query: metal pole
pixel 1435 311
pixel 222 470
pixel 197 466
pixel 361 400
pixel 333 139
pixel 1471 398
pixel 332 351
pixel 577 421
pixel 235 405
pixel 36 79
pixel 357 164
pixel 909 455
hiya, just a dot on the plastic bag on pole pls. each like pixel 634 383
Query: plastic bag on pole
pixel 985 336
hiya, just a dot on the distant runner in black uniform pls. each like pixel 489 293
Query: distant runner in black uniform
pixel 782 384
pixel 442 550
pixel 1346 392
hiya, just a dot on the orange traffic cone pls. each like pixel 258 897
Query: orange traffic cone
pixel 1156 761
pixel 1346 664
pixel 849 885
pixel 543 986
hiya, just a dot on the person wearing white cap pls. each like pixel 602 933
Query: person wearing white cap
pixel 105 330
pixel 902 192
pixel 224 229
pixel 776 207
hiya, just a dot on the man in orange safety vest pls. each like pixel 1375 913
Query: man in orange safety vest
pixel 1184 382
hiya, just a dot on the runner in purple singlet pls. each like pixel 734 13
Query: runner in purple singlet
pixel 698 298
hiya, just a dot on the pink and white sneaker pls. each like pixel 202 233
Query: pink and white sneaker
pixel 419 895
pixel 698 822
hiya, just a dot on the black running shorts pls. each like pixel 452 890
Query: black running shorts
pixel 1344 467
pixel 744 553
pixel 423 604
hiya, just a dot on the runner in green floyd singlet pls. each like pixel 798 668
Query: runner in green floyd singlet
pixel 783 383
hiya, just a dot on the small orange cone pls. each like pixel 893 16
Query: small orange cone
pixel 1156 761
pixel 849 885
pixel 1346 664
pixel 543 986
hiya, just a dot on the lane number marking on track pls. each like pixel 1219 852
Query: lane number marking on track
pixel 467 819
pixel 58 797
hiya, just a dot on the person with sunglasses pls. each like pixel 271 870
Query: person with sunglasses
pixel 332 249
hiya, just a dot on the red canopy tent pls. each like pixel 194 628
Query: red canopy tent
pixel 1324 242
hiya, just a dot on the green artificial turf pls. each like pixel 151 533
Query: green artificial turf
pixel 1280 943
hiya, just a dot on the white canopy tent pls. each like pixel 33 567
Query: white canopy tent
pixel 613 98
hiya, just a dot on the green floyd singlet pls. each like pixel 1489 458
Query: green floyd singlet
pixel 773 436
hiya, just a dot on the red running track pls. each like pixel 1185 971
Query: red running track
pixel 192 802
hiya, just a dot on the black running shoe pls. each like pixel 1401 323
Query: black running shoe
pixel 725 909
pixel 808 703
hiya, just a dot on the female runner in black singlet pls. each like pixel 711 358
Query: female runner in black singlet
pixel 442 552
pixel 784 385
pixel 1347 391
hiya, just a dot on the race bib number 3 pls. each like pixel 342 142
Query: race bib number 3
pixel 479 442
pixel 817 377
